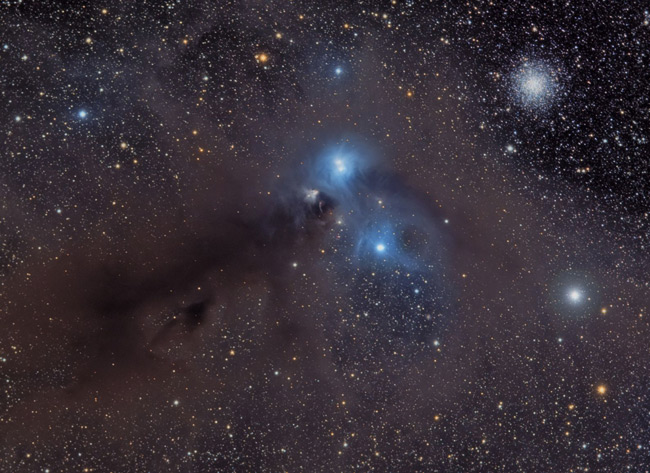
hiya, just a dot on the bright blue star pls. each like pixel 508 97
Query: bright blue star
pixel 82 114
pixel 338 70
pixel 378 242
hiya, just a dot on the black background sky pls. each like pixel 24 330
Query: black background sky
pixel 324 236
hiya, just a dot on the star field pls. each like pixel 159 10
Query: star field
pixel 324 236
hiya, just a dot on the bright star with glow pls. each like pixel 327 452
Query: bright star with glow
pixel 82 114
pixel 575 295
pixel 338 71
pixel 380 247
pixel 335 170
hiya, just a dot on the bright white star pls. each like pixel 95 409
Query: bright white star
pixel 575 295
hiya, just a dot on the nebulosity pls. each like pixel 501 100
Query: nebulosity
pixel 324 236
pixel 381 232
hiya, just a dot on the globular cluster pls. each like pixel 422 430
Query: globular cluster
pixel 535 85
pixel 324 236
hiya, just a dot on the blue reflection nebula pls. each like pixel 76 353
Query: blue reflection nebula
pixel 337 169
pixel 379 221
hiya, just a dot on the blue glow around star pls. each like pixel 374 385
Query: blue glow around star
pixel 339 164
pixel 335 170
pixel 379 242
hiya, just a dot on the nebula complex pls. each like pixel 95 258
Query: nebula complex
pixel 324 236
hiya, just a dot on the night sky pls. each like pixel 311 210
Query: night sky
pixel 325 236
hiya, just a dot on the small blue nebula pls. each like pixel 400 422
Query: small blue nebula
pixel 336 170
pixel 378 240
pixel 339 163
